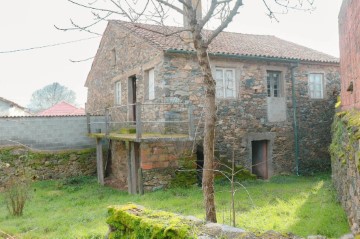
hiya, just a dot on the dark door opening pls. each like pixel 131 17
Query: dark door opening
pixel 199 164
pixel 132 98
pixel 259 158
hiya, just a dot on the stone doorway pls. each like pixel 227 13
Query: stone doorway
pixel 259 161
pixel 132 98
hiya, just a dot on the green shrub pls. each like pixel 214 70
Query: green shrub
pixel 184 178
pixel 17 193
pixel 224 171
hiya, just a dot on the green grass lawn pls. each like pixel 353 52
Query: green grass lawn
pixel 78 208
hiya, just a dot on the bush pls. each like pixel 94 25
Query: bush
pixel 17 193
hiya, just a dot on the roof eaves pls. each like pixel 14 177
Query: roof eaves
pixel 254 56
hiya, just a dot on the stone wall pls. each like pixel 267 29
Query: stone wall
pixel 248 113
pixel 158 162
pixel 120 56
pixel 47 133
pixel 349 35
pixel 345 159
pixel 16 161
pixel 117 169
pixel 126 221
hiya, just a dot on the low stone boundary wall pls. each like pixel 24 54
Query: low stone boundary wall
pixel 48 133
pixel 21 162
pixel 134 221
pixel 345 160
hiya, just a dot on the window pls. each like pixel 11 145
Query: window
pixel 118 93
pixel 316 86
pixel 151 77
pixel 273 83
pixel 225 83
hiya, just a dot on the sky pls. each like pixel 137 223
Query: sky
pixel 29 24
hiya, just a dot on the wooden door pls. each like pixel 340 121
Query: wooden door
pixel 132 98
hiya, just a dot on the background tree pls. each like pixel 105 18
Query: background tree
pixel 217 16
pixel 50 95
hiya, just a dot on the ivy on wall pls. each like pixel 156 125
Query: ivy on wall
pixel 345 136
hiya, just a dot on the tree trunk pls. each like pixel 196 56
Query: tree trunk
pixel 208 174
pixel 209 129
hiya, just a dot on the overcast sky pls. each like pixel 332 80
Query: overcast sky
pixel 27 24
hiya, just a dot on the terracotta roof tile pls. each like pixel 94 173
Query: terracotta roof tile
pixel 62 109
pixel 228 43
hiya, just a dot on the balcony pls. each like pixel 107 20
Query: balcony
pixel 144 122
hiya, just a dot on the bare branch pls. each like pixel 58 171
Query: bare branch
pixel 212 8
pixel 143 11
pixel 285 5
pixel 124 12
pixel 271 13
pixel 163 33
pixel 95 8
pixel 172 6
pixel 225 23
pixel 84 28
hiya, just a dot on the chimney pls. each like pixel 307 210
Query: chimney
pixel 196 5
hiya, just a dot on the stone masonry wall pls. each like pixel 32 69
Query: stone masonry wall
pixel 17 161
pixel 117 169
pixel 120 56
pixel 158 160
pixel 349 35
pixel 245 118
pixel 240 120
pixel 47 133
pixel 345 162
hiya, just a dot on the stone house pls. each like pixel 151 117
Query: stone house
pixel 275 99
pixel 9 108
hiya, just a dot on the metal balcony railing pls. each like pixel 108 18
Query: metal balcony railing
pixel 152 119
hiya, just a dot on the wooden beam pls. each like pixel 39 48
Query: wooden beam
pixel 128 147
pixel 88 123
pixel 140 181
pixel 99 161
pixel 133 174
pixel 138 121
pixel 191 121
pixel 107 123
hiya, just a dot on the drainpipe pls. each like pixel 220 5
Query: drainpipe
pixel 296 133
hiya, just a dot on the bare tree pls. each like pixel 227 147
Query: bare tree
pixel 50 95
pixel 219 14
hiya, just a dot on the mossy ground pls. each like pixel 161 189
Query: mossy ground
pixel 77 208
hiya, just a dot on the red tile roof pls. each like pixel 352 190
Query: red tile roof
pixel 61 109
pixel 228 43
